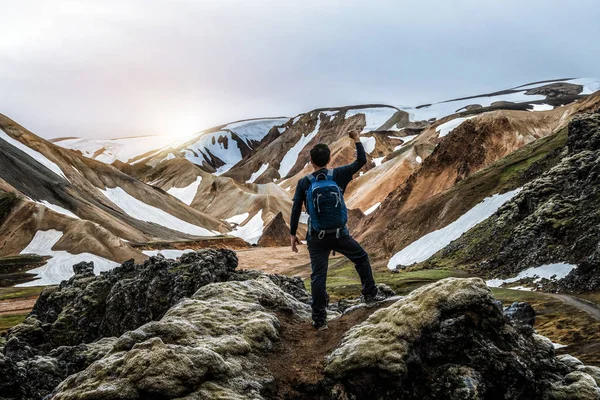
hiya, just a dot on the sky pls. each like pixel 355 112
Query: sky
pixel 105 69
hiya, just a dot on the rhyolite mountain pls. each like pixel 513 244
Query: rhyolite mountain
pixel 113 199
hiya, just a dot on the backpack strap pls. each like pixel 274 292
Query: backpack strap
pixel 311 177
pixel 330 174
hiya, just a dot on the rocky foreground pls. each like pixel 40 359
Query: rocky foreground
pixel 197 328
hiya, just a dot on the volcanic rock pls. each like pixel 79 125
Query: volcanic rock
pixel 554 90
pixel 450 340
pixel 276 233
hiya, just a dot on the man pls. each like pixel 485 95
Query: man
pixel 322 242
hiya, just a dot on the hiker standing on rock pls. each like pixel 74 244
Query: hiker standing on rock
pixel 322 192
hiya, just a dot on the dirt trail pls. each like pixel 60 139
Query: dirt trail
pixel 580 304
pixel 297 361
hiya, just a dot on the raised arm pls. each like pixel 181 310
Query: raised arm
pixel 361 158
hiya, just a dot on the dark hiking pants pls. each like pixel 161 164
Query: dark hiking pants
pixel 319 250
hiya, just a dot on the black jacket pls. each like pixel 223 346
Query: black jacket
pixel 341 175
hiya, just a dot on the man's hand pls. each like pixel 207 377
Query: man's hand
pixel 294 241
pixel 354 135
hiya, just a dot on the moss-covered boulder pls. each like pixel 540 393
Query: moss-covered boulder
pixel 203 348
pixel 450 340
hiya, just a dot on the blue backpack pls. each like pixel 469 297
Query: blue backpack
pixel 325 204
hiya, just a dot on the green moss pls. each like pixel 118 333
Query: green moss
pixel 506 174
pixel 20 293
pixel 343 281
pixel 8 321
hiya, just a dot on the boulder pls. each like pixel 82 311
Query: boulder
pixel 76 323
pixel 276 233
pixel 202 348
pixel 449 340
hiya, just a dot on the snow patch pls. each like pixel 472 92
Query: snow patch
pixel 449 126
pixel 368 143
pixel 60 266
pixel 238 219
pixel 218 144
pixel 423 248
pixel 549 271
pixel 252 230
pixel 186 194
pixel 378 161
pixel 289 160
pixel 58 209
pixel 124 149
pixel 145 212
pixel 405 139
pixel 372 208
pixel 37 156
pixel 542 107
pixel 419 159
pixel 168 253
pixel 375 117
pixel 254 130
pixel 258 173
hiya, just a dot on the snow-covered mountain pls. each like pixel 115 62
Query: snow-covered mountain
pixel 115 198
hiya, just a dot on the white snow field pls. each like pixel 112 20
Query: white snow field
pixel 258 173
pixel 423 248
pixel 58 209
pixel 590 85
pixel 220 144
pixel 123 149
pixel 186 194
pixel 368 144
pixel 238 219
pixel 145 212
pixel 254 130
pixel 375 117
pixel 440 110
pixel 168 253
pixel 449 126
pixel 252 230
pixel 406 140
pixel 289 160
pixel 548 271
pixel 542 107
pixel 372 208
pixel 378 161
pixel 37 156
pixel 60 266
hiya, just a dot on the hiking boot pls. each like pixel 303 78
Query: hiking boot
pixel 376 298
pixel 320 326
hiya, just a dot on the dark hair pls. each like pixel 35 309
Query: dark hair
pixel 320 154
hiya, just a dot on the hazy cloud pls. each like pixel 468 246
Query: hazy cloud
pixel 118 68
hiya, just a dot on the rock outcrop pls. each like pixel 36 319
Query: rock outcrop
pixel 450 340
pixel 276 233
pixel 76 323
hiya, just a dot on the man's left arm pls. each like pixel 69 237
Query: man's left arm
pixel 295 216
